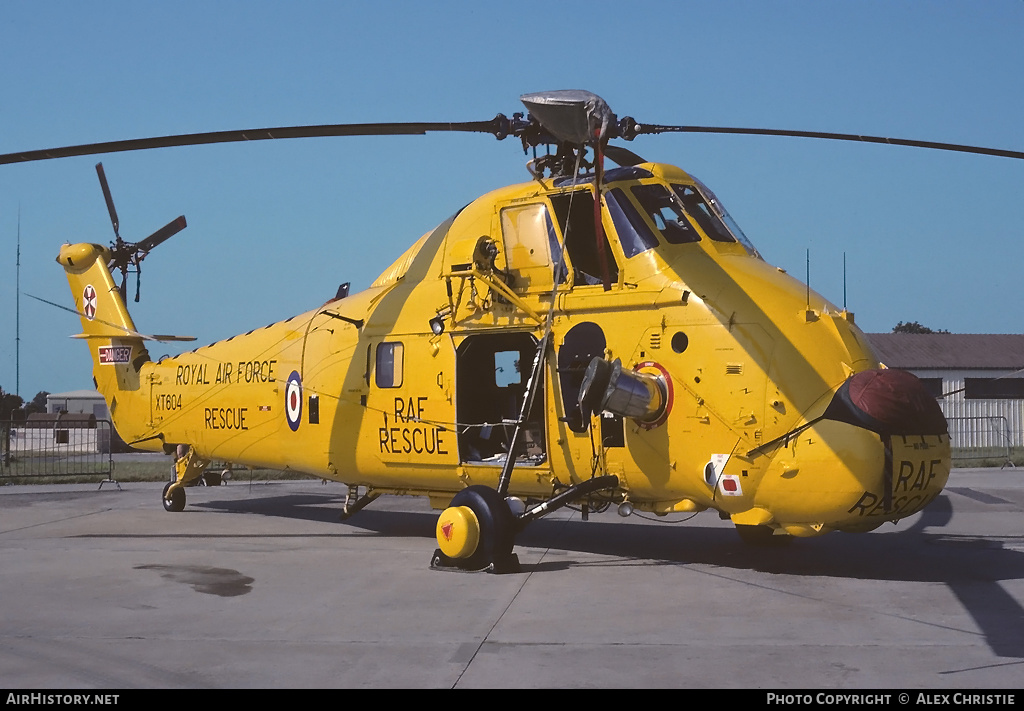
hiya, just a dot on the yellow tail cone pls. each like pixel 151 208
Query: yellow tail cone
pixel 458 532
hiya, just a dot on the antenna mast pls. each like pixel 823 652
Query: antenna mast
pixel 17 312
pixel 808 278
pixel 844 281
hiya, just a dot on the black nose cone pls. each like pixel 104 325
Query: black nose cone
pixel 889 402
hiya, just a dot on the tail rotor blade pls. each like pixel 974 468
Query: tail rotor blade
pixel 109 199
pixel 127 255
pixel 161 235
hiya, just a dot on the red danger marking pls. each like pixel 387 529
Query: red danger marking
pixel 446 530
pixel 729 485
pixel 111 355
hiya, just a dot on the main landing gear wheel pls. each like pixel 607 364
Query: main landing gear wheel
pixel 761 536
pixel 476 532
pixel 174 498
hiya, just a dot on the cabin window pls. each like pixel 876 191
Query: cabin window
pixel 634 234
pixel 390 367
pixel 666 214
pixel 575 214
pixel 506 369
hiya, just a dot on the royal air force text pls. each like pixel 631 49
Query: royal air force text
pixel 227 373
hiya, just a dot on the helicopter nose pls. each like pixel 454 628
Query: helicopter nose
pixel 879 452
pixel 888 402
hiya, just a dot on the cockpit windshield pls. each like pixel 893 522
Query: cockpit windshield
pixel 664 212
pixel 679 215
pixel 710 213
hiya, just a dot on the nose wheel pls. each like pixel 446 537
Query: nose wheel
pixel 476 532
pixel 174 497
pixel 478 529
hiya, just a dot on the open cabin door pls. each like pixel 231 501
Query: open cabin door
pixel 531 249
pixel 492 371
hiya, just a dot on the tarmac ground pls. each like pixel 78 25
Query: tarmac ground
pixel 260 586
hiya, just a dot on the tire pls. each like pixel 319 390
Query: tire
pixel 497 527
pixel 212 478
pixel 174 499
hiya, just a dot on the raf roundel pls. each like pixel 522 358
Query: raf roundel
pixel 89 302
pixel 293 401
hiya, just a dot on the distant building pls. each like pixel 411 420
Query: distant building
pixel 978 380
pixel 60 434
pixel 88 402
pixel 78 401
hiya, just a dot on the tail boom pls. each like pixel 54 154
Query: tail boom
pixel 117 348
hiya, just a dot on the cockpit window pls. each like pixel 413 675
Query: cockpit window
pixel 664 211
pixel 530 246
pixel 697 208
pixel 634 234
pixel 575 214
pixel 716 214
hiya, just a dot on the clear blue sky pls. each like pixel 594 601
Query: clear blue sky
pixel 274 227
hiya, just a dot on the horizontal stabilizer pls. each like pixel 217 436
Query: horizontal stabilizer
pixel 162 338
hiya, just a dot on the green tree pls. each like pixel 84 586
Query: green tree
pixel 38 403
pixel 913 327
pixel 9 403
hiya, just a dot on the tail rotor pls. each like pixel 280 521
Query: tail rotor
pixel 128 256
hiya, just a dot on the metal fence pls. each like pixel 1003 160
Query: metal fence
pixel 56 447
pixel 62 447
pixel 985 437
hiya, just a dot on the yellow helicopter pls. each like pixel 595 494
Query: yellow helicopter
pixel 604 336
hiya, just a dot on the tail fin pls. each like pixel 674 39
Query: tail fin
pixel 118 350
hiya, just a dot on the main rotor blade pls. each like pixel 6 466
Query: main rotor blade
pixel 497 126
pixel 164 233
pixel 109 198
pixel 622 156
pixel 652 129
